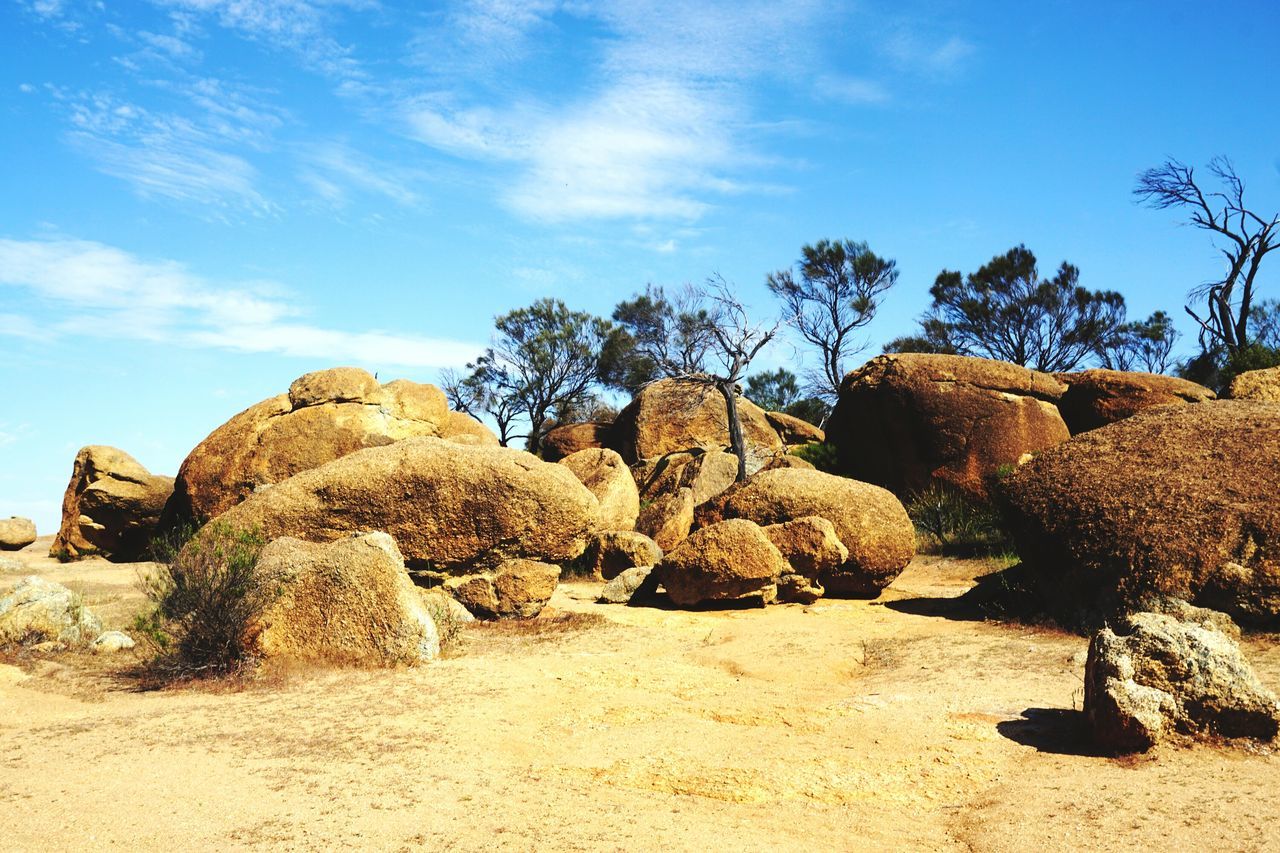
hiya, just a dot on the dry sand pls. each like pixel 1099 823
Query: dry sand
pixel 845 725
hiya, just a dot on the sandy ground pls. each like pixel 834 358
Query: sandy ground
pixel 845 725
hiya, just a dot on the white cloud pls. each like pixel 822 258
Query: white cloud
pixel 912 51
pixel 334 169
pixel 19 326
pixel 850 90
pixel 101 290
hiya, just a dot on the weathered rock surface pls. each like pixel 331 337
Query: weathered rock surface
pixel 568 439
pixel 809 544
pixel 464 429
pixel 516 589
pixel 1095 398
pixel 456 507
pixel 607 477
pixel 706 472
pixel 39 611
pixel 111 506
pixel 325 416
pixel 905 420
pixel 112 641
pixel 730 561
pixel 668 519
pixel 673 415
pixel 16 533
pixel 789 461
pixel 614 551
pixel 795 430
pixel 1179 501
pixel 869 521
pixel 623 588
pixel 1260 386
pixel 1153 675
pixel 348 602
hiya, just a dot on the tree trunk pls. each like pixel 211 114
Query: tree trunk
pixel 736 442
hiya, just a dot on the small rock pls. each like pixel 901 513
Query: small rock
pixel 614 551
pixel 623 588
pixel 36 611
pixel 112 641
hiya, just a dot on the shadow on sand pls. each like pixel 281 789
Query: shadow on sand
pixel 1059 731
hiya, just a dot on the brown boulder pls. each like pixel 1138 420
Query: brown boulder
pixel 672 415
pixel 793 430
pixel 1261 386
pixel 462 428
pixel 325 416
pixel 607 477
pixel 1095 398
pixel 706 472
pixel 111 507
pixel 809 545
pixel 730 561
pixel 455 507
pixel 905 420
pixel 668 519
pixel 568 439
pixel 869 521
pixel 16 533
pixel 348 602
pixel 614 551
pixel 1177 501
pixel 517 589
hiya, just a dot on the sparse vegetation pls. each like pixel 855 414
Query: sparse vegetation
pixel 821 456
pixel 207 599
pixel 448 625
pixel 955 524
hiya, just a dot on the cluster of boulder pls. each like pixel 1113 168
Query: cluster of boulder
pixel 38 613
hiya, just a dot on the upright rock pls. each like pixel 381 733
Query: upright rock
pixel 1151 675
pixel 568 439
pixel 668 519
pixel 326 415
pixel 1178 501
pixel 607 477
pixel 706 473
pixel 730 561
pixel 1260 386
pixel 1095 398
pixel 111 506
pixel 348 602
pixel 868 520
pixel 905 420
pixel 16 533
pixel 671 415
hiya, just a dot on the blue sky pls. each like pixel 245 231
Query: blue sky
pixel 203 199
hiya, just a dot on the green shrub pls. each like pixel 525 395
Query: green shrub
pixel 820 455
pixel 955 523
pixel 207 601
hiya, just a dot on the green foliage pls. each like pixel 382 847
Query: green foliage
pixel 779 391
pixel 656 335
pixel 1145 345
pixel 954 523
pixel 821 456
pixel 207 601
pixel 1006 311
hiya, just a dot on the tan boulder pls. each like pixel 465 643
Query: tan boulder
pixel 1260 386
pixel 348 602
pixel 668 518
pixel 632 586
pixel 454 507
pixel 516 589
pixel 325 416
pixel 730 561
pixel 905 420
pixel 795 430
pixel 614 551
pixel 869 521
pixel 35 610
pixel 671 415
pixel 1176 500
pixel 462 428
pixel 607 477
pixel 706 472
pixel 1095 398
pixel 16 533
pixel 568 439
pixel 111 507
pixel 809 544
pixel 789 461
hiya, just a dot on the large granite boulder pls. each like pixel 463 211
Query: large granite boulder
pixel 1261 386
pixel 452 508
pixel 567 439
pixel 706 473
pixel 16 533
pixel 35 611
pixel 903 421
pixel 1179 501
pixel 349 602
pixel 464 429
pixel 111 507
pixel 869 521
pixel 671 415
pixel 607 477
pixel 795 431
pixel 1095 398
pixel 1150 675
pixel 730 561
pixel 325 416
pixel 668 518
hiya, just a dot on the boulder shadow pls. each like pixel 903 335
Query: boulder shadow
pixel 1008 596
pixel 1057 731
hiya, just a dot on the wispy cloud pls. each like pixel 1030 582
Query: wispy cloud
pixel 912 51
pixel 335 170
pixel 850 90
pixel 97 289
